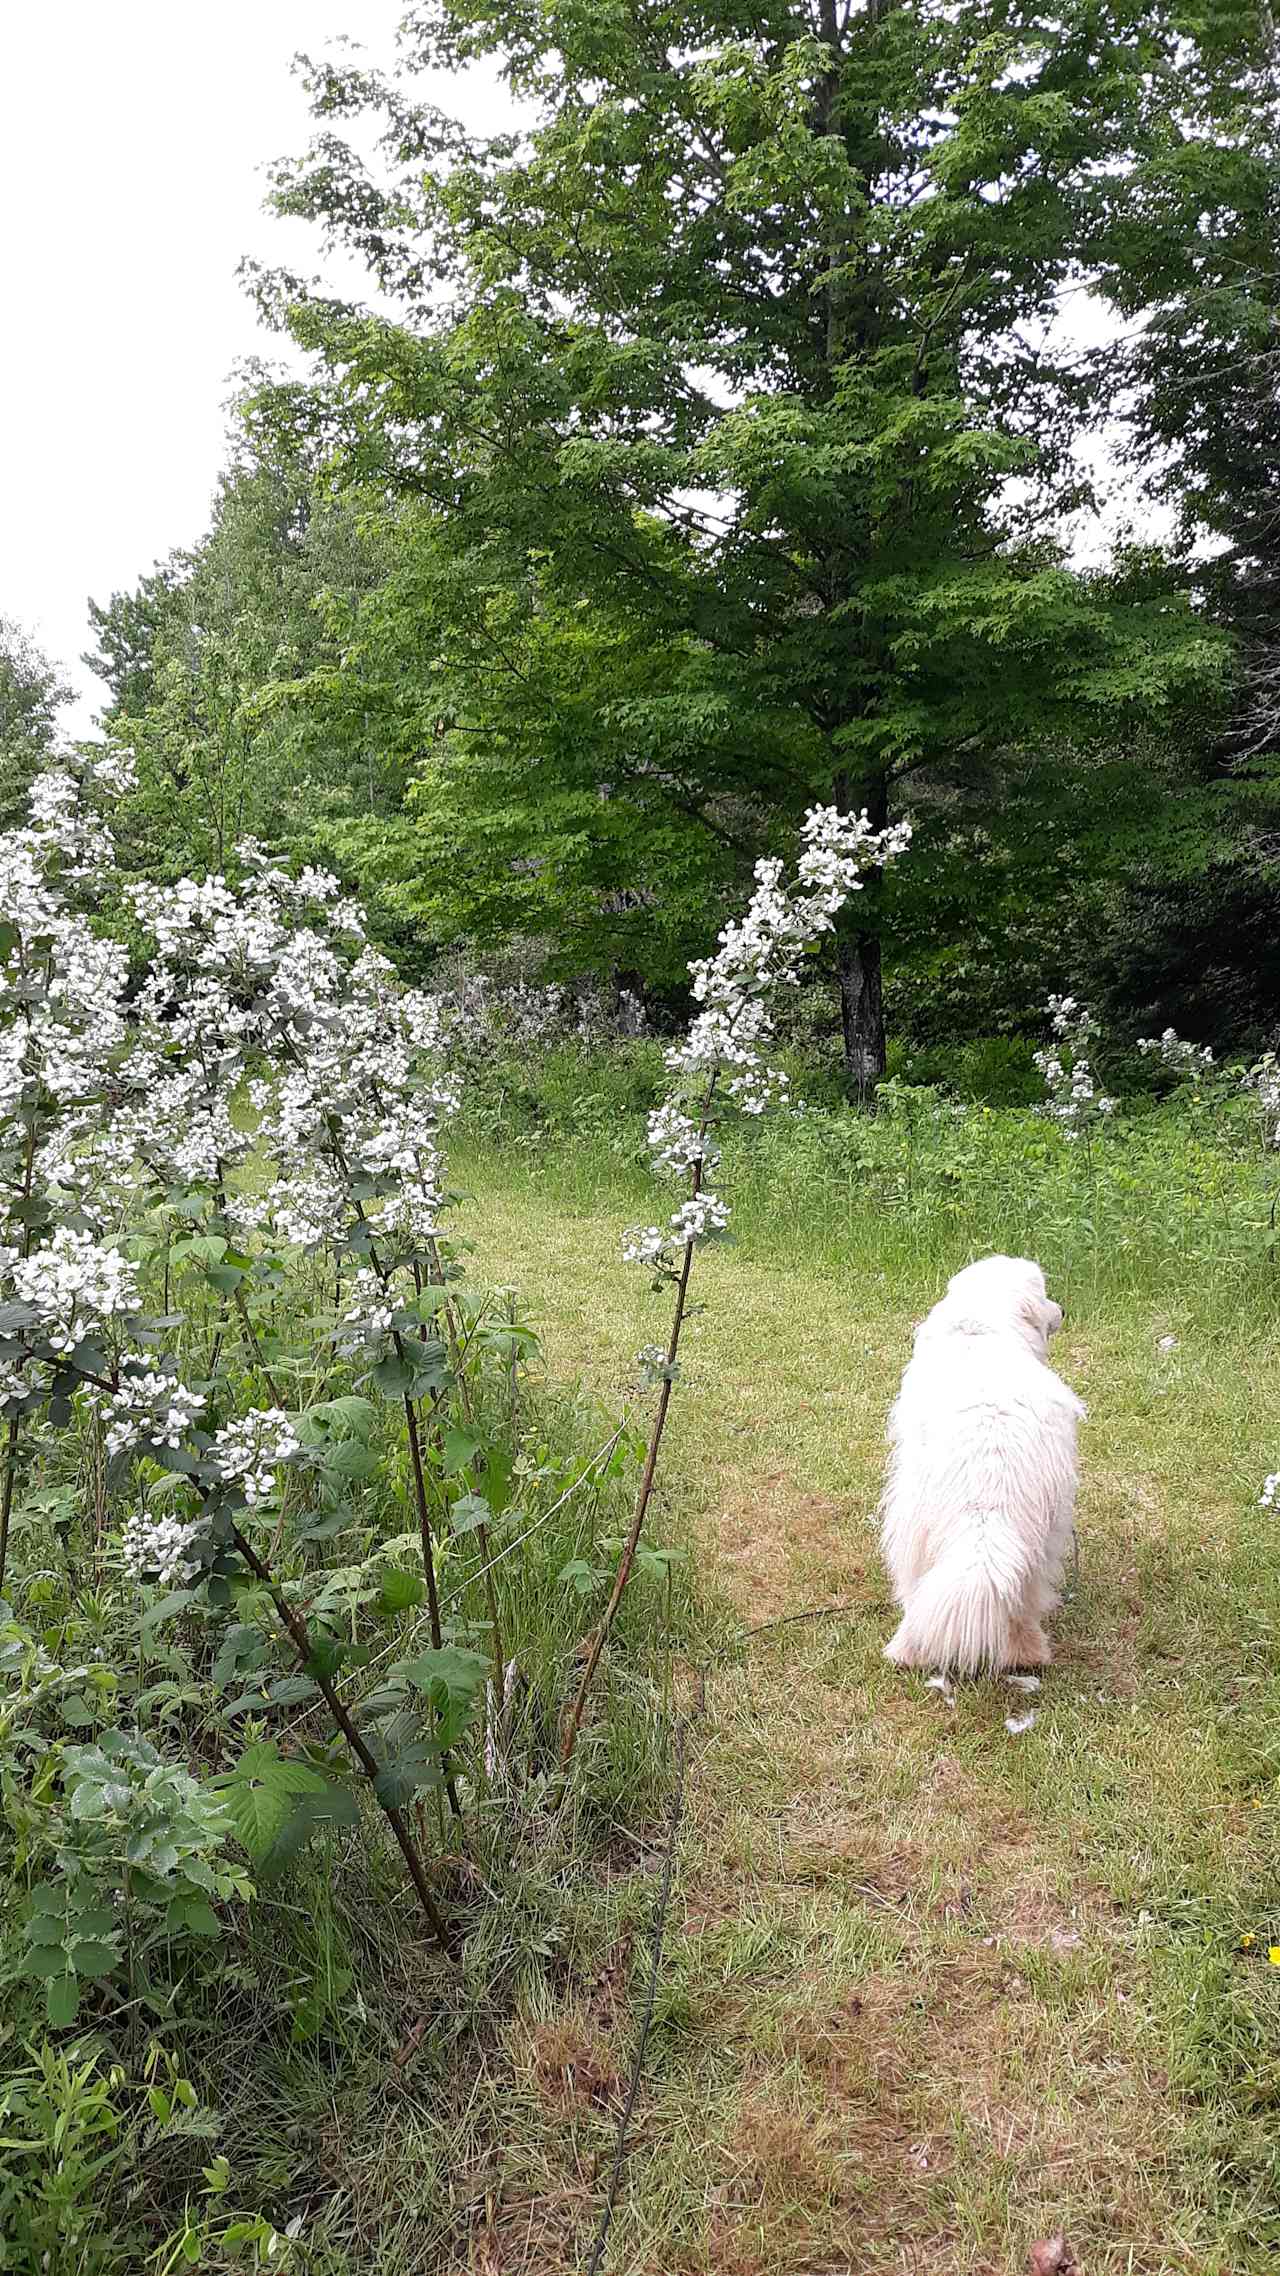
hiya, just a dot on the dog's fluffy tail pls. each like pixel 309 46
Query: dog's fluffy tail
pixel 961 1612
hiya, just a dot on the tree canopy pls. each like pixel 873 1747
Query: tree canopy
pixel 709 453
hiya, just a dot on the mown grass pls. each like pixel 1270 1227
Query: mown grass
pixel 932 1991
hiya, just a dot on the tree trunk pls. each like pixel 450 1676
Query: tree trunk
pixel 861 1013
pixel 858 953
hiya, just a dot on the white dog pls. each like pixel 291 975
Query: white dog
pixel 979 1502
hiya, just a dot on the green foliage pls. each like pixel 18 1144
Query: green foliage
pixel 120 1826
pixel 273 1802
pixel 701 486
pixel 31 691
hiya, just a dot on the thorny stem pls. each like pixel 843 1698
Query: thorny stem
pixel 429 1565
pixel 15 1421
pixel 255 1346
pixel 458 1357
pixel 297 1631
pixel 632 1543
pixel 6 1504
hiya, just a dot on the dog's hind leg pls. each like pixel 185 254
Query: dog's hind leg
pixel 1028 1644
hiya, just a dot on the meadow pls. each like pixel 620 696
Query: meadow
pixel 928 1990
pixel 934 1991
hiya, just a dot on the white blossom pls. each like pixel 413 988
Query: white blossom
pixel 370 1318
pixel 676 1143
pixel 697 1218
pixel 249 1451
pixel 149 1407
pixel 1263 1079
pixel 160 1549
pixel 75 1284
pixel 645 1244
pixel 1191 1060
pixel 1074 1100
pixel 1270 1491
pixel 731 1030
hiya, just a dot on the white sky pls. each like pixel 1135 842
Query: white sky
pixel 133 134
pixel 133 137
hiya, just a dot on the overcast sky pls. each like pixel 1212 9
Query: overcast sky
pixel 133 134
pixel 133 138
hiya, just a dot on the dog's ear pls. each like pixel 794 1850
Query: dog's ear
pixel 1039 1311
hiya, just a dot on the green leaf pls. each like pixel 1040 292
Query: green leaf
pixel 45 1960
pixel 193 1917
pixel 335 1805
pixel 457 1449
pixel 412 1769
pixel 350 1458
pixel 400 1592
pixel 260 1794
pixel 62 1998
pixel 499 1469
pixel 167 1608
pixel 93 1959
pixel 468 1512
pixel 462 1674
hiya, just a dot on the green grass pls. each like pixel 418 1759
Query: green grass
pixel 931 1991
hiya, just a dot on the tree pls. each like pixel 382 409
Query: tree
pixel 725 362
pixel 31 693
pixel 204 659
pixel 1192 260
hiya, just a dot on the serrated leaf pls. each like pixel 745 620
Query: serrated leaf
pixel 399 1592
pixel 499 1469
pixel 192 1916
pixel 461 1672
pixel 468 1512
pixel 411 1770
pixel 44 1960
pixel 350 1458
pixel 260 1794
pixel 167 1608
pixel 93 1959
pixel 62 1998
pixel 334 1806
pixel 457 1449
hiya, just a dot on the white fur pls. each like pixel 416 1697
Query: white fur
pixel 979 1502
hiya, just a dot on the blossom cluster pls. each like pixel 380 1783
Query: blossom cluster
pixel 161 1548
pixel 265 1025
pixel 727 1042
pixel 61 984
pixel 1074 1099
pixel 149 1408
pixel 74 1284
pixel 1263 1079
pixel 1189 1060
pixel 761 951
pixel 371 1318
pixel 249 1451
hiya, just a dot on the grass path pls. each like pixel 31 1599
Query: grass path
pixel 930 1991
